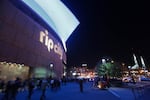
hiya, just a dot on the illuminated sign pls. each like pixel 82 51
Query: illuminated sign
pixel 55 14
pixel 49 43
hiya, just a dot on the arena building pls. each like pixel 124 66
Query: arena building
pixel 31 45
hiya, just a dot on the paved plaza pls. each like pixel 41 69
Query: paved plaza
pixel 71 91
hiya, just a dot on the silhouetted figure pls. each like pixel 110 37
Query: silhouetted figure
pixel 30 88
pixel 8 90
pixel 81 85
pixel 40 84
pixel 55 84
pixel 52 84
pixel 2 84
pixel 14 91
pixel 43 87
pixel 15 86
pixel 64 80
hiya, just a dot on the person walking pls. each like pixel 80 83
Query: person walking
pixel 30 88
pixel 8 90
pixel 81 85
pixel 43 87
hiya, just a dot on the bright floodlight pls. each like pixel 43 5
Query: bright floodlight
pixel 103 61
pixel 57 15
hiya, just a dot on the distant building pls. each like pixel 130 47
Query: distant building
pixel 81 72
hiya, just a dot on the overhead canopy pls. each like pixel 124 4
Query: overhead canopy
pixel 55 14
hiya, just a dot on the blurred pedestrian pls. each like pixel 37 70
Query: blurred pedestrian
pixel 8 90
pixel 30 88
pixel 81 85
pixel 15 86
pixel 43 87
pixel 2 84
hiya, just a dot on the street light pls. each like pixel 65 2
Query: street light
pixel 51 68
pixel 129 70
pixel 103 61
pixel 51 65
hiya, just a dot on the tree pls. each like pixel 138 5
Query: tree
pixel 109 68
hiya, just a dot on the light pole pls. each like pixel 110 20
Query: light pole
pixel 51 68
pixel 129 70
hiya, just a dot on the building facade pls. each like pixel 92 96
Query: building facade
pixel 27 47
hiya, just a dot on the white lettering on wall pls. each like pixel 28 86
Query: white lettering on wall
pixel 58 50
pixel 49 43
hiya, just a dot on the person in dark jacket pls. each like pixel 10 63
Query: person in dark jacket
pixel 81 85
pixel 30 88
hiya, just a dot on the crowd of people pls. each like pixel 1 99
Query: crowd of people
pixel 12 87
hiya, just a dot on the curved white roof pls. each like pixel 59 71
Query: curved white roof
pixel 55 14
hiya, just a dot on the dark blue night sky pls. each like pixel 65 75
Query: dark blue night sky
pixel 116 29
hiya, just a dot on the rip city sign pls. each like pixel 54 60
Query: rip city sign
pixel 49 43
